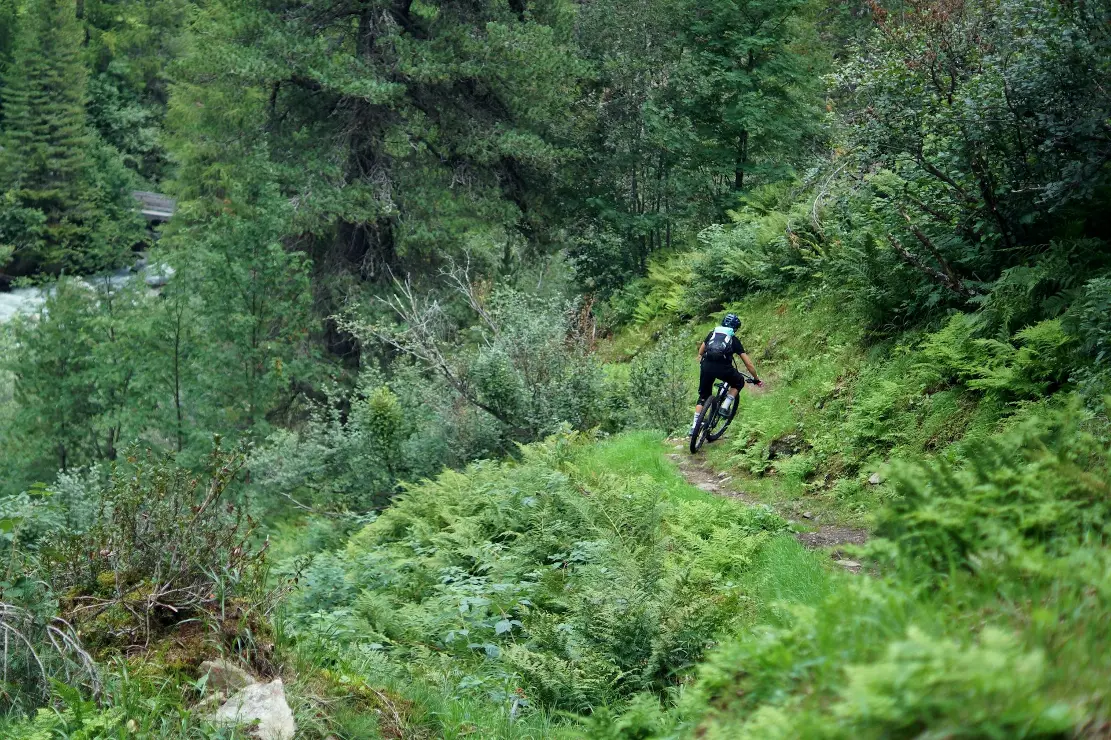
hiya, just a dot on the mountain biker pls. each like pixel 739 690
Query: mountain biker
pixel 715 357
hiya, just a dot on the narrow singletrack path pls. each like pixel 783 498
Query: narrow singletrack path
pixel 821 537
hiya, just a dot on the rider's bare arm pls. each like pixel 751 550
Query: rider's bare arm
pixel 748 365
pixel 701 351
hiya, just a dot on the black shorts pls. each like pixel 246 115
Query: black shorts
pixel 716 370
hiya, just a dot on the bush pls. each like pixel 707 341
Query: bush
pixel 347 455
pixel 661 381
pixel 989 689
pixel 769 245
pixel 165 546
pixel 1037 358
pixel 563 584
pixel 1087 320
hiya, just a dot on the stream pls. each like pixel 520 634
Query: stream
pixel 28 300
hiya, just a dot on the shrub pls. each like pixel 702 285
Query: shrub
pixel 347 455
pixel 660 383
pixel 1087 320
pixel 989 689
pixel 165 546
pixel 765 248
pixel 665 288
pixel 567 585
pixel 1037 358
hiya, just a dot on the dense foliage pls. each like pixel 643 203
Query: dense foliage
pixel 438 272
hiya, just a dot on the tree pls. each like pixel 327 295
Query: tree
pixel 8 17
pixel 628 185
pixel 748 84
pixel 689 104
pixel 131 46
pixel 248 299
pixel 982 130
pixel 74 371
pixel 401 130
pixel 45 136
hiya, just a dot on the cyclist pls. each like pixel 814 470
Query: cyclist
pixel 715 357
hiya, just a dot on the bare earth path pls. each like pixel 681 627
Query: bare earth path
pixel 821 536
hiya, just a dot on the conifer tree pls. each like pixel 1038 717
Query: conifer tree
pixel 747 84
pixel 7 36
pixel 45 135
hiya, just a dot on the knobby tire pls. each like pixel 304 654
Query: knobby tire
pixel 702 426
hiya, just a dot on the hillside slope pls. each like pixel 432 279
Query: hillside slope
pixel 590 578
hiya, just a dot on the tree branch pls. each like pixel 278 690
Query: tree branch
pixel 933 273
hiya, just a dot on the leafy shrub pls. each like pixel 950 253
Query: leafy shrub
pixel 765 248
pixel 1042 288
pixel 525 362
pixel 665 288
pixel 660 383
pixel 619 310
pixel 564 582
pixel 1088 321
pixel 347 455
pixel 165 546
pixel 1037 358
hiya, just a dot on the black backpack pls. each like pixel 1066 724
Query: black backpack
pixel 719 346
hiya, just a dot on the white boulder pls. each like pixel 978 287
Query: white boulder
pixel 261 704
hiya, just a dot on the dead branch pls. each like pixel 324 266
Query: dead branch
pixel 422 338
pixel 460 278
pixel 933 273
pixel 956 283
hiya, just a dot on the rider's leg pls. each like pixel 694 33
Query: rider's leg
pixel 730 400
pixel 705 387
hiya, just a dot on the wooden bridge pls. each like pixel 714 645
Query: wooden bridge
pixel 155 207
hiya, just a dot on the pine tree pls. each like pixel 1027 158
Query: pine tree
pixel 747 85
pixel 7 36
pixel 45 134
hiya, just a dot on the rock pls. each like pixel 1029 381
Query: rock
pixel 264 702
pixel 707 487
pixel 158 275
pixel 223 675
pixel 875 479
pixel 211 702
pixel 807 515
pixel 848 563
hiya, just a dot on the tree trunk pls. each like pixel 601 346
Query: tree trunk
pixel 742 160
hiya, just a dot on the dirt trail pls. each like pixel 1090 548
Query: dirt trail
pixel 822 536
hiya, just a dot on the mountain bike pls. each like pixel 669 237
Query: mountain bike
pixel 712 423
